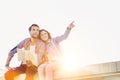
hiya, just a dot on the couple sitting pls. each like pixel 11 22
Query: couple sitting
pixel 47 50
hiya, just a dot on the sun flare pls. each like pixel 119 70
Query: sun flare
pixel 70 63
pixel 74 62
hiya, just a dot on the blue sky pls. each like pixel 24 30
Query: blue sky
pixel 95 38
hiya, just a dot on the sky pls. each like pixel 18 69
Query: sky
pixel 94 39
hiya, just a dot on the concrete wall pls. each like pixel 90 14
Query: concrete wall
pixel 104 71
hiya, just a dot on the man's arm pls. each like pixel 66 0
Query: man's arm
pixel 9 58
pixel 7 62
pixel 12 52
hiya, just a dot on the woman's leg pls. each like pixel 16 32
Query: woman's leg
pixel 41 71
pixel 49 71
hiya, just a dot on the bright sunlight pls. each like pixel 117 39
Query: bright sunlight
pixel 72 62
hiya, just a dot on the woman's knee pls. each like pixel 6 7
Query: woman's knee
pixel 41 67
pixel 49 67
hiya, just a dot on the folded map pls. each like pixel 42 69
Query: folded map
pixel 24 55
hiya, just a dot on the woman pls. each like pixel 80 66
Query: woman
pixel 53 53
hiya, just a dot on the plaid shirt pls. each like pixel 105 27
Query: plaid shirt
pixel 39 48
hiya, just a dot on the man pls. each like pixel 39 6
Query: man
pixel 33 44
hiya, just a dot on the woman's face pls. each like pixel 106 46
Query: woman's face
pixel 44 35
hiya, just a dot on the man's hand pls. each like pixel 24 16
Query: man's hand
pixel 71 25
pixel 29 63
pixel 9 68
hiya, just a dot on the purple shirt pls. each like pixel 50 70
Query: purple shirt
pixel 53 47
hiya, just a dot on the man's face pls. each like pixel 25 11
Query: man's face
pixel 34 32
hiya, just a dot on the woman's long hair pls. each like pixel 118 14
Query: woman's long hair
pixel 49 36
pixel 44 58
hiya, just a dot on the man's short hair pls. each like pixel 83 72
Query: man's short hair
pixel 32 26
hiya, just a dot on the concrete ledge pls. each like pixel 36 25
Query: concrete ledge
pixel 104 71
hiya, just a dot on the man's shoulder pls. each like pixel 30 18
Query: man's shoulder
pixel 26 39
pixel 23 42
